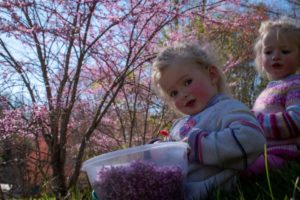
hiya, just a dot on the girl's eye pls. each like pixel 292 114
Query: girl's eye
pixel 173 93
pixel 286 51
pixel 188 82
pixel 267 52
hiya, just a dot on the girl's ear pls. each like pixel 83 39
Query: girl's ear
pixel 213 74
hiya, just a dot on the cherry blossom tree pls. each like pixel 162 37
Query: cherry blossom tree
pixel 79 69
pixel 137 113
pixel 53 53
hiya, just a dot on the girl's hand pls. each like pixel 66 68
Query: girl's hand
pixel 184 139
pixel 188 149
pixel 154 141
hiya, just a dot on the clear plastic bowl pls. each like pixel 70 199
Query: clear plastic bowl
pixel 160 154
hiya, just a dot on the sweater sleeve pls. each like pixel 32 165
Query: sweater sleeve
pixel 235 146
pixel 286 124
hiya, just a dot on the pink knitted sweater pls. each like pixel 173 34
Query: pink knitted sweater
pixel 278 110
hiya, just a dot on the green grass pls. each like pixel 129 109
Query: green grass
pixel 73 195
pixel 281 184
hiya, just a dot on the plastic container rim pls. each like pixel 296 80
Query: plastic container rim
pixel 122 152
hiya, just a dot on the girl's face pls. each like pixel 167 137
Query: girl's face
pixel 189 88
pixel 280 56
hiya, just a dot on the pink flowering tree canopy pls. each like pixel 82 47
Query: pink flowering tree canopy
pixel 80 70
pixel 59 57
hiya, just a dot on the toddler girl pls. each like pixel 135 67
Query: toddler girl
pixel 278 106
pixel 223 135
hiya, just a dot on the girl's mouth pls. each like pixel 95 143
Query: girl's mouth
pixel 190 103
pixel 276 65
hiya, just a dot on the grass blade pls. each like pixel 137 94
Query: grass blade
pixel 267 172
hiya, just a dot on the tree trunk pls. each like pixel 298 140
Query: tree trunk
pixel 59 187
pixel 1 194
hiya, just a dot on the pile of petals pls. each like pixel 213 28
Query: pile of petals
pixel 139 180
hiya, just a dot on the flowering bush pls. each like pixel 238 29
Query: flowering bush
pixel 139 180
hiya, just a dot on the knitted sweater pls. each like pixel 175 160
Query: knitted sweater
pixel 224 138
pixel 278 110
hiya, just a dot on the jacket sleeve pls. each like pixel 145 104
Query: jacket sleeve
pixel 286 124
pixel 235 146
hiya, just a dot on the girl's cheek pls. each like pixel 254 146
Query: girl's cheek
pixel 174 103
pixel 177 104
pixel 199 91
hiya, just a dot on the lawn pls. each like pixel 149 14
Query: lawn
pixel 281 184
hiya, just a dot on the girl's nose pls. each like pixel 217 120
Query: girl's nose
pixel 183 93
pixel 184 96
pixel 276 56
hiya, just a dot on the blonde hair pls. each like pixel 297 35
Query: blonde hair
pixel 190 52
pixel 282 26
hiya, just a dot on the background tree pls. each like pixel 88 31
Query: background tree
pixel 52 53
